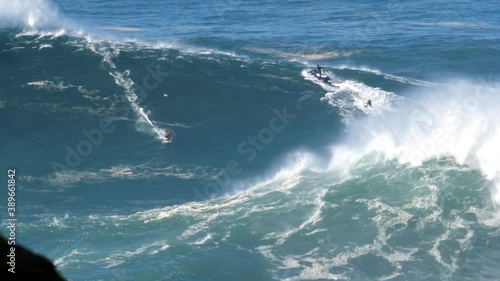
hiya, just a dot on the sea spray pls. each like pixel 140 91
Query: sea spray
pixel 459 121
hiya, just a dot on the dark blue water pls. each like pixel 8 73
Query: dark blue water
pixel 271 174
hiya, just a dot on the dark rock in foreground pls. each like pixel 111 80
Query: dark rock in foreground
pixel 28 265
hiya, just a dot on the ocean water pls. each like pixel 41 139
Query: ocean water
pixel 271 174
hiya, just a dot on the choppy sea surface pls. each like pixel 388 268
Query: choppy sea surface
pixel 271 174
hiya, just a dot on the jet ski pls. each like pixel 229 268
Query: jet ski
pixel 322 78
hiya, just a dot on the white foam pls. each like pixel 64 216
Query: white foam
pixel 488 219
pixel 44 46
pixel 350 97
pixel 202 240
pixel 163 245
pixel 459 121
pixel 317 271
pixel 64 260
pixel 314 218
pixel 381 100
pixel 437 254
pixel 28 13
pixel 290 262
pixel 397 257
pixel 41 16
pixel 122 256
pixel 71 177
pixel 50 85
pixel 386 218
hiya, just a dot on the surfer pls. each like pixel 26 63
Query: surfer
pixel 319 69
pixel 168 135
pixel 368 103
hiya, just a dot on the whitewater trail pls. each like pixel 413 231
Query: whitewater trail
pixel 44 19
pixel 351 97
pixel 123 80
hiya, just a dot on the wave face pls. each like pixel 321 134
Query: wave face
pixel 271 173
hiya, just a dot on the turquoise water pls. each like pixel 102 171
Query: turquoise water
pixel 271 175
